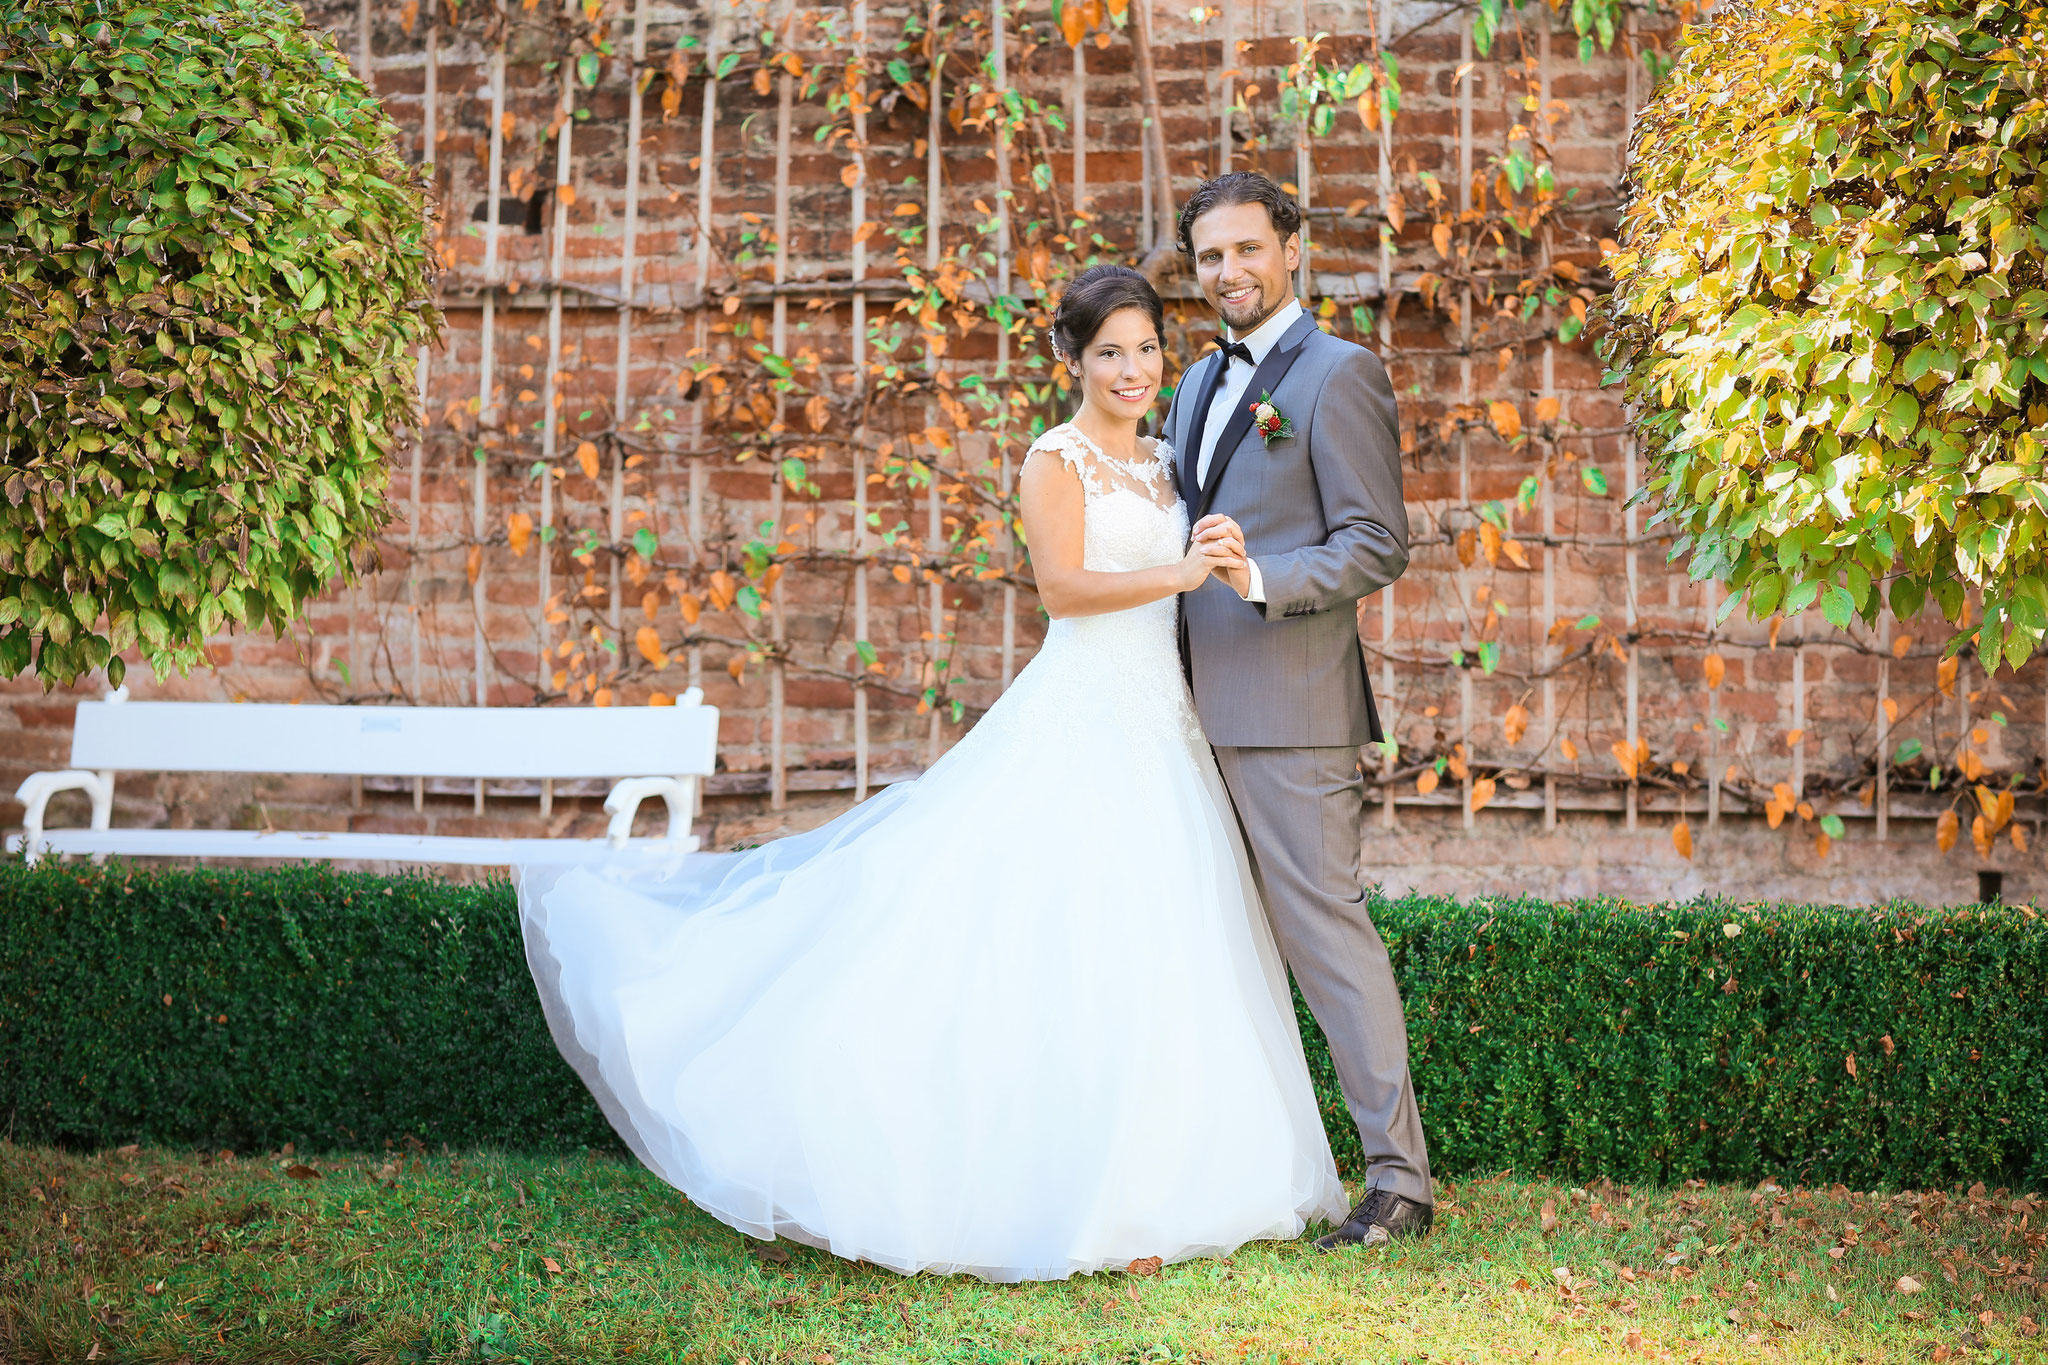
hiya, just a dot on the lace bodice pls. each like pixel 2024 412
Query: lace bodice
pixel 1146 528
pixel 1133 520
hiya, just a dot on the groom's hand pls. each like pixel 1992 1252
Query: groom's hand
pixel 1218 529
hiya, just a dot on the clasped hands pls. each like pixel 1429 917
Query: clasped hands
pixel 1218 549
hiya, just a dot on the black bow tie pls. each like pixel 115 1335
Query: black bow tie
pixel 1235 350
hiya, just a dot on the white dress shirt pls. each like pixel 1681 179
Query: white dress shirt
pixel 1230 396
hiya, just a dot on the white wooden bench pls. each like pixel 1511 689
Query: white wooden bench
pixel 652 750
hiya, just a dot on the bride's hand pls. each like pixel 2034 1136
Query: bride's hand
pixel 1220 532
pixel 1205 558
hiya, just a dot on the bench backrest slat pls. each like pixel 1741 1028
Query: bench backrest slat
pixel 396 741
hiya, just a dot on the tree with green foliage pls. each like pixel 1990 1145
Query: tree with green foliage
pixel 1831 310
pixel 214 269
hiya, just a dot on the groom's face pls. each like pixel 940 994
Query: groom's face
pixel 1245 270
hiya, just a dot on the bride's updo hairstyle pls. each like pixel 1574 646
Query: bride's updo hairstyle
pixel 1091 298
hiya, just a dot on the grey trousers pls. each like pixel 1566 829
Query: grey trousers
pixel 1302 812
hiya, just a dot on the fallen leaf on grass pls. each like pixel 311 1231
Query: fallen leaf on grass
pixel 299 1171
pixel 1145 1265
pixel 1907 1285
pixel 768 1253
pixel 1549 1215
pixel 554 1267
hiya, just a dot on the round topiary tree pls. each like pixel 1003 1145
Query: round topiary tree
pixel 213 273
pixel 1831 309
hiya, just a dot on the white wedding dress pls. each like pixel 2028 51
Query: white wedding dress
pixel 1019 1018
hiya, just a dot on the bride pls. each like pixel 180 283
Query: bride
pixel 1019 1018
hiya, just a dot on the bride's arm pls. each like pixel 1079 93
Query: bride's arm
pixel 1053 505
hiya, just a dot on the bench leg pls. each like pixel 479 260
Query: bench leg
pixel 35 793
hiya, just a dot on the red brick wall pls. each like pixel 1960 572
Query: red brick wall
pixel 408 632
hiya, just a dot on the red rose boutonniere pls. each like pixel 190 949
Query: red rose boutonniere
pixel 1272 424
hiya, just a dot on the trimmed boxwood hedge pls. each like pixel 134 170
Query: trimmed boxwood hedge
pixel 250 1008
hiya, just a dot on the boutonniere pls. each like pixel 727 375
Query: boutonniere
pixel 1272 424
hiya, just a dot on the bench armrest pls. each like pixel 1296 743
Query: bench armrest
pixel 35 792
pixel 626 795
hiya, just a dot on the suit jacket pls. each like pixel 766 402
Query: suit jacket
pixel 1323 514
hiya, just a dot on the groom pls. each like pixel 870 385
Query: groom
pixel 1288 449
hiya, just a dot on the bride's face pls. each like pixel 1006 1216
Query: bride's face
pixel 1121 365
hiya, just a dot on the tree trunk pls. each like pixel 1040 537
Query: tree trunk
pixel 1163 251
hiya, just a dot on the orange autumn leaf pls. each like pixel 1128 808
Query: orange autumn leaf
pixel 1980 835
pixel 586 456
pixel 1774 812
pixel 520 532
pixel 1786 797
pixel 1569 750
pixel 1946 829
pixel 1505 418
pixel 1440 237
pixel 1515 723
pixel 648 641
pixel 475 563
pixel 1482 792
pixel 1715 668
pixel 737 666
pixel 1681 839
pixel 567 192
pixel 691 606
pixel 1457 763
pixel 1987 800
pixel 1945 674
pixel 1489 541
pixel 1073 26
pixel 602 697
pixel 1514 551
pixel 660 699
pixel 1425 782
pixel 2019 837
pixel 1901 645
pixel 723 590
pixel 1792 738
pixel 1805 810
pixel 1625 755
pixel 1548 408
pixel 1891 711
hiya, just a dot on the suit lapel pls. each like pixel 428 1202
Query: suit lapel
pixel 1193 383
pixel 1265 379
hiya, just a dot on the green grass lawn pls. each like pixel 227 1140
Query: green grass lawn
pixel 274 1258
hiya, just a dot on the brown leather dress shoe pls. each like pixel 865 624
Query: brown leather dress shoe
pixel 1379 1218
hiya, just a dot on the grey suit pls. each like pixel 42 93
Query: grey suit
pixel 1282 692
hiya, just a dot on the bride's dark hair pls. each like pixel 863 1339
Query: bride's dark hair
pixel 1091 297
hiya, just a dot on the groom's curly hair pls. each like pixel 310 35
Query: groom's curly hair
pixel 1239 187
